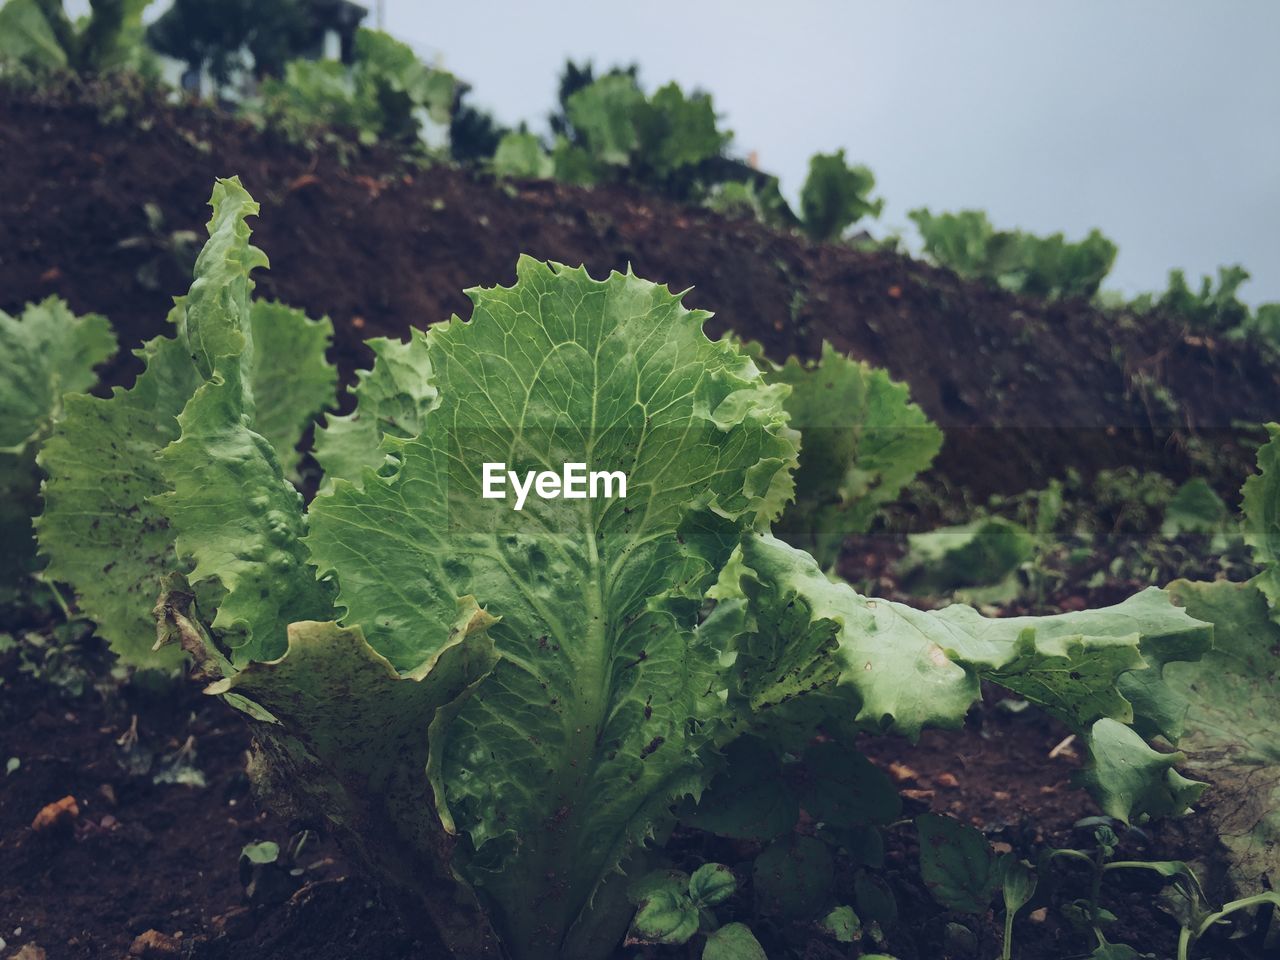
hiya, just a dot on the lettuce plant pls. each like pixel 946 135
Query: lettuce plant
pixel 1049 267
pixel 382 96
pixel 835 196
pixel 501 712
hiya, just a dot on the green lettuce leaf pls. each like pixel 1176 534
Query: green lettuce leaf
pixel 392 399
pixel 26 37
pixel 520 154
pixel 365 753
pixel 1131 781
pixel 292 381
pixel 835 196
pixel 603 113
pixel 676 131
pixel 562 759
pixel 219 465
pixel 819 652
pixel 981 553
pixel 863 441
pixel 101 530
pixel 45 352
pixel 111 518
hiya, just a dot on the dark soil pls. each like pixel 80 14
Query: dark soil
pixel 1023 389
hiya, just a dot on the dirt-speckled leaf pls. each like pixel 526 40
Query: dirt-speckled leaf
pixel 842 924
pixel 108 525
pixel 793 877
pixel 665 916
pixel 45 352
pixel 957 864
pixel 101 530
pixel 581 737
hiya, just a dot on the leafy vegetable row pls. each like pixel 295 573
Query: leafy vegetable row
pixel 505 714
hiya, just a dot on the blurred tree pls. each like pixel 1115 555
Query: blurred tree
pixel 223 36
pixel 473 133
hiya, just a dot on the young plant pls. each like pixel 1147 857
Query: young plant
pixel 1186 900
pixel 672 907
pixel 962 871
pixel 502 712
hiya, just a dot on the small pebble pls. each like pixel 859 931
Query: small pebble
pixel 60 813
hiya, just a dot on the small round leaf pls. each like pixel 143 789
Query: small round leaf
pixel 712 883
pixel 734 941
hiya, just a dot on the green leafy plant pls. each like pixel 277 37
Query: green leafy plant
pixel 1185 900
pixel 835 196
pixel 379 98
pixel 754 199
pixel 611 131
pixel 39 36
pixel 984 553
pixel 510 768
pixel 962 872
pixel 1049 267
pixel 672 907
pixel 120 481
pixel 863 442
pixel 1215 308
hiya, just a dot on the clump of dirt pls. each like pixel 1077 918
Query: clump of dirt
pixel 1023 389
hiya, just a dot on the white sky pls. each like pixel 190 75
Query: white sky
pixel 1157 121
